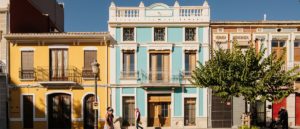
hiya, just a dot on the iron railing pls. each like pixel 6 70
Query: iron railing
pixel 27 74
pixel 53 74
pixel 129 75
pixel 160 77
pixel 87 73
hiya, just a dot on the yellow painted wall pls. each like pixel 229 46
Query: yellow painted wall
pixel 41 59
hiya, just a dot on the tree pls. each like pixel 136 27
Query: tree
pixel 249 74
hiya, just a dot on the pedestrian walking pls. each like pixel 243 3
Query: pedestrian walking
pixel 138 118
pixel 109 117
pixel 283 115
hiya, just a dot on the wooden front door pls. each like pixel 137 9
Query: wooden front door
pixel 89 118
pixel 159 111
pixel 276 108
pixel 59 111
pixel 297 110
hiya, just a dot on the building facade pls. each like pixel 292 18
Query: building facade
pixel 275 36
pixel 51 81
pixel 155 50
pixel 45 16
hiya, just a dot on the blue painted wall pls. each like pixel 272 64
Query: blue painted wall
pixel 190 90
pixel 176 60
pixel 175 34
pixel 201 102
pixel 118 64
pixel 141 100
pixel 128 90
pixel 142 63
pixel 178 102
pixel 144 35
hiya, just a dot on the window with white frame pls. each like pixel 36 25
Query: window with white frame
pixel 159 34
pixel 128 34
pixel 128 64
pixel 189 62
pixel 190 34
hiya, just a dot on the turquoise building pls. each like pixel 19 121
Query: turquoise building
pixel 156 48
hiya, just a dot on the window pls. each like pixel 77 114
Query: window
pixel 128 111
pixel 220 30
pixel 59 64
pixel 190 34
pixel 159 34
pixel 128 34
pixel 278 47
pixel 27 69
pixel 89 57
pixel 27 111
pixel 159 67
pixel 190 62
pixel 164 110
pixel 189 111
pixel 297 51
pixel 128 64
pixel 240 29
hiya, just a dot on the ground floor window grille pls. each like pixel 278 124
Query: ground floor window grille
pixel 189 111
pixel 128 111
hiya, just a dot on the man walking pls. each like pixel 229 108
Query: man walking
pixel 137 118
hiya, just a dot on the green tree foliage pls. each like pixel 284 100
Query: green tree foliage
pixel 250 74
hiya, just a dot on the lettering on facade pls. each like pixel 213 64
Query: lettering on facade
pixel 241 37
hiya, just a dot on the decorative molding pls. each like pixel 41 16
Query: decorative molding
pixel 160 46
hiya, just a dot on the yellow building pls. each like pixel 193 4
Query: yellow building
pixel 51 80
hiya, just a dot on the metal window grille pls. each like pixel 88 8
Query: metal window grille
pixel 159 34
pixel 128 34
pixel 190 34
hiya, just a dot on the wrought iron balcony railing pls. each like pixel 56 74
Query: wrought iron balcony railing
pixel 87 73
pixel 27 74
pixel 54 74
pixel 129 75
pixel 160 78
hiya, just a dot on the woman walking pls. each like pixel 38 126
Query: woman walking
pixel 109 117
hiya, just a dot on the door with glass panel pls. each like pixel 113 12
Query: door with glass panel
pixel 128 111
pixel 58 64
pixel 128 65
pixel 190 62
pixel 189 111
pixel 59 111
pixel 159 67
pixel 159 111
pixel 89 112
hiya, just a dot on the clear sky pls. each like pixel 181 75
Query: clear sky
pixel 92 15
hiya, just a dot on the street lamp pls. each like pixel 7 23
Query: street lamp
pixel 95 70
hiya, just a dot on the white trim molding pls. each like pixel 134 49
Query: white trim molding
pixel 90 48
pixel 27 49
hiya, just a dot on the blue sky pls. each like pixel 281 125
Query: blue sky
pixel 92 15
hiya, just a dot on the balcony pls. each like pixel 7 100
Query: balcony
pixel 27 74
pixel 87 74
pixel 187 74
pixel 160 79
pixel 51 76
pixel 129 75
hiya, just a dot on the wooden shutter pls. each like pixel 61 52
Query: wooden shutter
pixel 192 62
pixel 89 57
pixel 165 68
pixel 27 60
pixel 28 111
pixel 59 63
pixel 153 67
pixel 297 54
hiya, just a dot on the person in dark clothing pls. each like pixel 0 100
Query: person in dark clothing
pixel 283 115
pixel 137 118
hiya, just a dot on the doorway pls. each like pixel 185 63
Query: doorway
pixel 159 113
pixel 89 112
pixel 59 111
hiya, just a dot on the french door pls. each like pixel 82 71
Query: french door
pixel 159 67
pixel 59 64
pixel 159 110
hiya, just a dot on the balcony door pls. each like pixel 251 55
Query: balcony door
pixel 58 64
pixel 159 67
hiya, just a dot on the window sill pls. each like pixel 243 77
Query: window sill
pixel 27 79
